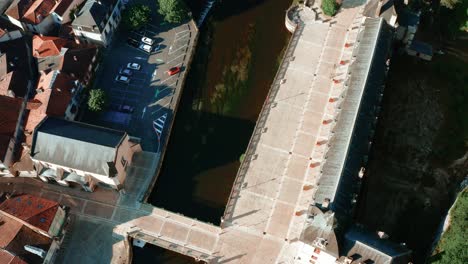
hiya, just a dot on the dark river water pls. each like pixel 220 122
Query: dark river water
pixel 238 52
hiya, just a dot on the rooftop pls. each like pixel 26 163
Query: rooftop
pixel 76 145
pixel 93 13
pixel 54 94
pixel 33 12
pixel 34 210
pixel 14 235
pixel 47 46
pixel 17 58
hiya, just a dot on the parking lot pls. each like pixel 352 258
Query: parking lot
pixel 145 104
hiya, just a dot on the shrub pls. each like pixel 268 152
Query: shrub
pixel 97 100
pixel 136 16
pixel 329 7
pixel 173 11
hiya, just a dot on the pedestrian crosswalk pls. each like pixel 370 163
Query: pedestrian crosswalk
pixel 158 125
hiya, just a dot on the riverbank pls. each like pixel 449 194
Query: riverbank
pixel 231 74
pixel 411 177
pixel 453 244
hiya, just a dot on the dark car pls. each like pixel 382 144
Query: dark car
pixel 132 42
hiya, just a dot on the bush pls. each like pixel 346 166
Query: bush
pixel 329 7
pixel 136 16
pixel 173 11
pixel 97 100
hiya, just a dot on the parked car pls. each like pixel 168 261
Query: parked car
pixel 132 42
pixel 173 71
pixel 121 78
pixel 134 66
pixel 147 40
pixel 126 109
pixel 145 47
pixel 125 72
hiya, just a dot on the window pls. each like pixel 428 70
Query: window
pixel 123 161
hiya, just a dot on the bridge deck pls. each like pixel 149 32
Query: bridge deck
pixel 275 186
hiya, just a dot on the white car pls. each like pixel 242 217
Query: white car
pixel 134 66
pixel 147 41
pixel 121 78
pixel 145 47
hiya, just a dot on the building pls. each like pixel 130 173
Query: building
pixel 53 53
pixel 32 229
pixel 15 81
pixel 362 246
pixel 57 94
pixel 97 20
pixel 82 155
pixel 40 16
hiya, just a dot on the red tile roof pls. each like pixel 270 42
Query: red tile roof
pixel 8 258
pixel 47 46
pixel 9 113
pixel 53 99
pixel 34 210
pixel 14 235
pixel 31 11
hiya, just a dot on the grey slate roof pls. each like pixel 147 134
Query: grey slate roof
pixel 368 246
pixel 350 141
pixel 93 13
pixel 76 145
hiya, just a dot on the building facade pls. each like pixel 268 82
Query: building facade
pixel 97 21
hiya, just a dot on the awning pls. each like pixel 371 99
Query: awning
pixel 49 173
pixel 73 177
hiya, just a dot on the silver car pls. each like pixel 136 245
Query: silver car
pixel 134 66
pixel 145 47
pixel 147 40
pixel 122 78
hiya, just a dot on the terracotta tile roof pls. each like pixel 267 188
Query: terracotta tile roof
pixel 53 99
pixel 14 236
pixel 18 63
pixel 5 82
pixel 9 229
pixel 4 142
pixel 8 258
pixel 47 46
pixel 31 11
pixel 9 112
pixel 34 210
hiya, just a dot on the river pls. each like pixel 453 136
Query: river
pixel 239 50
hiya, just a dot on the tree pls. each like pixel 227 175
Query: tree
pixel 136 16
pixel 173 11
pixel 97 100
pixel 329 7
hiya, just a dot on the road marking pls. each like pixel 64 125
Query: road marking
pixel 140 58
pixel 168 78
pixel 178 38
pixel 175 58
pixel 159 60
pixel 181 31
pixel 173 83
pixel 144 111
pixel 171 51
pixel 162 107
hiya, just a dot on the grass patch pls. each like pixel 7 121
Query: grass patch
pixel 451 249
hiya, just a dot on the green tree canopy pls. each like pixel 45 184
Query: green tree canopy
pixel 173 11
pixel 329 7
pixel 136 16
pixel 97 100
